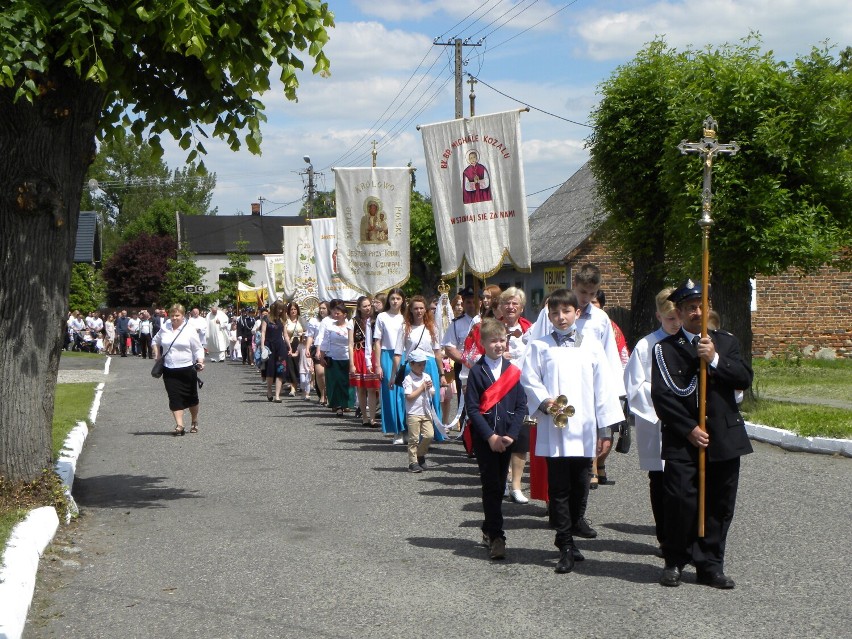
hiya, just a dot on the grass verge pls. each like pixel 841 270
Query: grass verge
pixel 16 500
pixel 806 420
pixel 810 378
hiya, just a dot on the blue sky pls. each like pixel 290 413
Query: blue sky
pixel 388 76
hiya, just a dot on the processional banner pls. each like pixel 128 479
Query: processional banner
pixel 373 239
pixel 476 178
pixel 275 276
pixel 329 283
pixel 300 272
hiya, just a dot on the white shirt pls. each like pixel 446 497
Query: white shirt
pixel 313 328
pixel 495 366
pixel 186 349
pixel 594 322
pixel 323 327
pixel 335 342
pixel 458 331
pixel 387 329
pixel 419 405
pixel 418 339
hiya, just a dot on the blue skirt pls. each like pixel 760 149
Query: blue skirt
pixel 393 399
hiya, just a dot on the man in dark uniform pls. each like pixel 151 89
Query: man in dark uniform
pixel 674 391
pixel 244 328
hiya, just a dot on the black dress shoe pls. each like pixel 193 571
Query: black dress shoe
pixel 670 577
pixel 566 560
pixel 715 580
pixel 575 552
pixel 582 529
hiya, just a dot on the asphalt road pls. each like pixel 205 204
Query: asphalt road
pixel 280 520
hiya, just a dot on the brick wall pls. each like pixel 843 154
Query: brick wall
pixel 811 313
pixel 807 312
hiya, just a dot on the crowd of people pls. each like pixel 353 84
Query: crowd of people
pixel 549 395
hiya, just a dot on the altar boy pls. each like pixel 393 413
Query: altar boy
pixel 562 363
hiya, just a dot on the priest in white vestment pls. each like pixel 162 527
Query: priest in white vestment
pixel 217 334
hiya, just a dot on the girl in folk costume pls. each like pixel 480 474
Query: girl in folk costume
pixel 386 332
pixel 334 343
pixel 419 334
pixel 362 362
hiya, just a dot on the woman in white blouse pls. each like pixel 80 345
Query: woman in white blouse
pixel 183 357
pixel 386 333
pixel 334 344
pixel 419 334
pixel 313 345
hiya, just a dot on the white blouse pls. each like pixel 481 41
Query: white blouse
pixel 387 329
pixel 418 339
pixel 335 341
pixel 185 348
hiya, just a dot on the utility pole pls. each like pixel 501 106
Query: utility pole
pixel 458 45
pixel 309 206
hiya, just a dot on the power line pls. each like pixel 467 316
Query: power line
pixel 546 18
pixel 506 95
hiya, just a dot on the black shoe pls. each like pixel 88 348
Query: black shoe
pixel 715 580
pixel 566 560
pixel 497 548
pixel 582 529
pixel 421 461
pixel 670 576
pixel 414 468
pixel 575 552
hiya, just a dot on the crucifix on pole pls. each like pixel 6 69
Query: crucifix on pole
pixel 706 148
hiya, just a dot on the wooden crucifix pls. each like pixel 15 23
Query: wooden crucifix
pixel 706 148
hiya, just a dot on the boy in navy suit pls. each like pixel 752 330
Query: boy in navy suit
pixel 496 405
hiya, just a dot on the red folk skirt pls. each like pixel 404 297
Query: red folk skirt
pixel 362 377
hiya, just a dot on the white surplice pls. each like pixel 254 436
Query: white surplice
pixel 580 373
pixel 637 380
pixel 217 335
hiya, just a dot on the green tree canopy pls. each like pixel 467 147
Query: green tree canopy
pixel 76 71
pixel 782 202
pixel 181 272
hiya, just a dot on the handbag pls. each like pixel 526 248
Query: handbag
pixel 159 365
pixel 624 438
pixel 264 353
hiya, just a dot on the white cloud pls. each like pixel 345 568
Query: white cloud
pixel 472 20
pixel 789 27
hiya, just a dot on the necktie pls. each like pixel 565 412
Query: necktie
pixel 695 340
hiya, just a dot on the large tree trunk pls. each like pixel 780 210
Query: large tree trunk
pixel 732 300
pixel 45 149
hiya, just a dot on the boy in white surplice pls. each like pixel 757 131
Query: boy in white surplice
pixel 561 365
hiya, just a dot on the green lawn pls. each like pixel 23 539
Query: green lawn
pixel 71 406
pixel 803 379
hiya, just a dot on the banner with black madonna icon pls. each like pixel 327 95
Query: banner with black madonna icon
pixel 373 240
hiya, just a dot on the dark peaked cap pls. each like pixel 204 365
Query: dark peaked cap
pixel 685 291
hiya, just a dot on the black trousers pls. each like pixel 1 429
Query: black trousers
pixel 122 344
pixel 145 345
pixel 493 470
pixel 568 491
pixel 681 513
pixel 657 489
pixel 245 348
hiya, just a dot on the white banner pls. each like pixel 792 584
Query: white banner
pixel 329 283
pixel 477 181
pixel 373 240
pixel 300 273
pixel 274 276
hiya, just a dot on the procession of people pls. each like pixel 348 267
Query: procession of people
pixel 540 400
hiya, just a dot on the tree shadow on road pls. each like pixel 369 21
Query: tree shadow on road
pixel 128 491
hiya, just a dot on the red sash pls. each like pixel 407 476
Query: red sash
pixel 497 391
